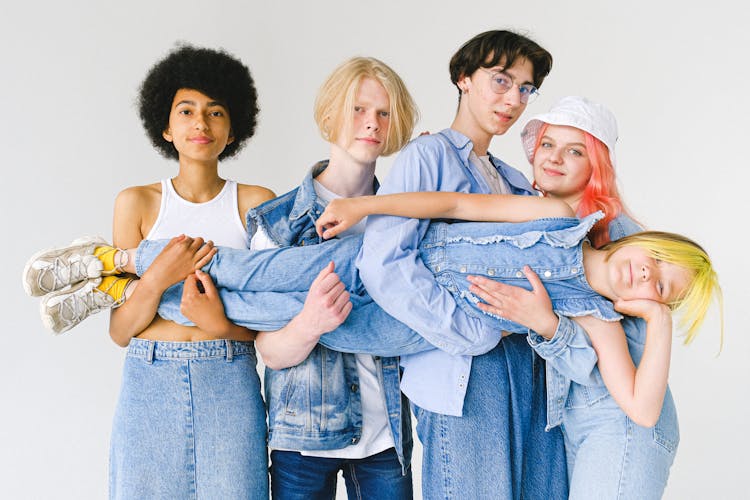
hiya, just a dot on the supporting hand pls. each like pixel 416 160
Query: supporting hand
pixel 204 308
pixel 326 307
pixel 182 256
pixel 650 310
pixel 530 308
pixel 327 304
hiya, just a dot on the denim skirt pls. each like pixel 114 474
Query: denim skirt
pixel 189 423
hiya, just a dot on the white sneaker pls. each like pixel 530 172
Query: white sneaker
pixel 53 269
pixel 64 309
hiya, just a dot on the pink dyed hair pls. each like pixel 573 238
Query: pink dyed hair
pixel 601 191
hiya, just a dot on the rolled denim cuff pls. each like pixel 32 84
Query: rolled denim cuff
pixel 146 253
pixel 569 351
pixel 551 348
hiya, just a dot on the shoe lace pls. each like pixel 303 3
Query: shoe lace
pixel 75 269
pixel 78 306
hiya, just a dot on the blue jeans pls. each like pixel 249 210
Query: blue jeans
pixel 498 449
pixel 609 456
pixel 280 280
pixel 298 477
pixel 189 423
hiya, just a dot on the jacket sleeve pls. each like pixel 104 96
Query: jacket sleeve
pixel 394 275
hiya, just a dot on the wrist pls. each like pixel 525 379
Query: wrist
pixel 547 327
pixel 659 315
pixel 150 283
pixel 302 330
pixel 223 328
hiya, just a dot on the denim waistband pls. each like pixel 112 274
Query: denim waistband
pixel 157 349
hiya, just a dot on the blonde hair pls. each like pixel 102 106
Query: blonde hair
pixel 336 98
pixel 693 303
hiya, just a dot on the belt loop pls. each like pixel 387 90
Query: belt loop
pixel 150 352
pixel 230 351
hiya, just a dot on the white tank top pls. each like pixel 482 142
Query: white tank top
pixel 217 220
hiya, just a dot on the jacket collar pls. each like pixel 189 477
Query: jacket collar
pixel 306 197
pixel 304 200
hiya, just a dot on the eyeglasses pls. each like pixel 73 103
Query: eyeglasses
pixel 501 82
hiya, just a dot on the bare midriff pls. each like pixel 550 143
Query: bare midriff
pixel 169 331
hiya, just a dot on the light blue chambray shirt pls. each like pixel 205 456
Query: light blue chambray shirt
pixel 397 279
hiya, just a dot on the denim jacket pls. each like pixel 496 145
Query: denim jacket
pixel 552 247
pixel 593 388
pixel 316 405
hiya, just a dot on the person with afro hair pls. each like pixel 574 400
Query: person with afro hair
pixel 190 417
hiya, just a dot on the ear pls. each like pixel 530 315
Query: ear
pixel 230 139
pixel 167 134
pixel 464 83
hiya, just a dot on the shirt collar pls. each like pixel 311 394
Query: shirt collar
pixel 463 147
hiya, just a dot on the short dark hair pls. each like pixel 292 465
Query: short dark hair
pixel 489 48
pixel 213 72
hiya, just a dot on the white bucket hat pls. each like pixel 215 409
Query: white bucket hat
pixel 578 112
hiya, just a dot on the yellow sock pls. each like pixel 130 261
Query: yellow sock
pixel 115 286
pixel 107 255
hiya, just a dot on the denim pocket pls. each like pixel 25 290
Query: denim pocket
pixel 666 432
pixel 662 438
pixel 583 396
pixel 283 397
pixel 289 392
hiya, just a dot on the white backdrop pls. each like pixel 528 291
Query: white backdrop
pixel 674 75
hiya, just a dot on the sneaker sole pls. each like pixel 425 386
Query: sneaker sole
pixel 27 268
pixel 47 320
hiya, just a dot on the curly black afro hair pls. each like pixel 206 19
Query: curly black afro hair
pixel 212 72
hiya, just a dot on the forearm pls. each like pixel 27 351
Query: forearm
pixel 225 329
pixel 463 206
pixel 638 391
pixel 136 314
pixel 288 346
pixel 507 208
pixel 416 205
pixel 652 373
